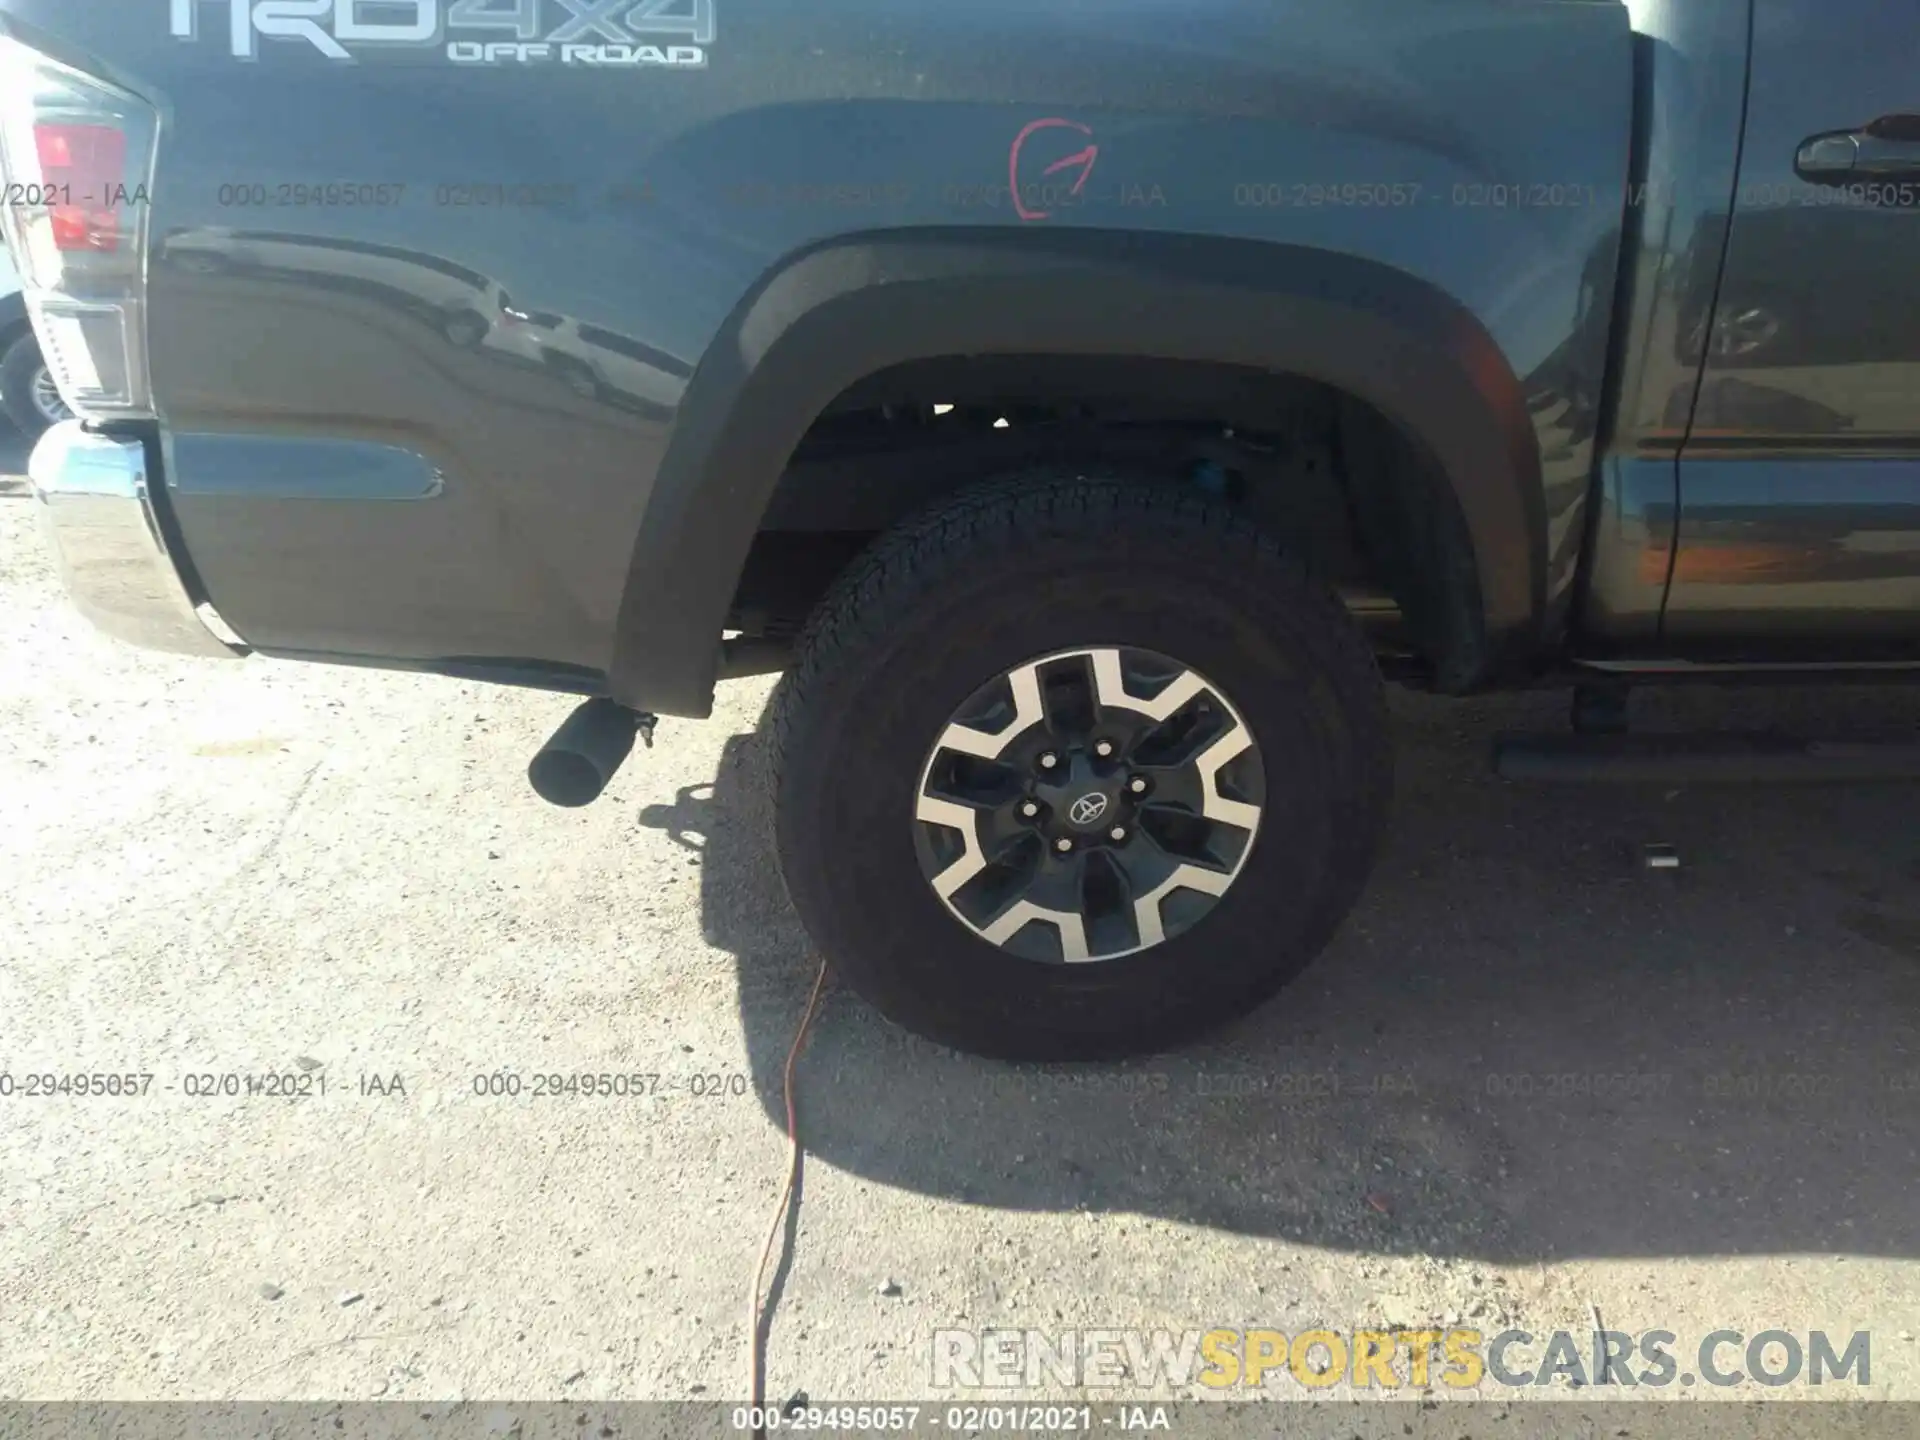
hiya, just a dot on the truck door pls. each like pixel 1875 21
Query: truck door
pixel 1799 532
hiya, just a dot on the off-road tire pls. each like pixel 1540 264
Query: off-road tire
pixel 1034 566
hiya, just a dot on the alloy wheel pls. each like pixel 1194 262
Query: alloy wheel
pixel 1088 805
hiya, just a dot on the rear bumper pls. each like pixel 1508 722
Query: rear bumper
pixel 97 511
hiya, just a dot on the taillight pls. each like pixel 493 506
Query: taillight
pixel 77 156
pixel 82 165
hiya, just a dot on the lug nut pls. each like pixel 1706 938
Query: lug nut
pixel 1103 748
pixel 1063 845
pixel 1117 834
pixel 1138 785
pixel 1048 760
pixel 1030 809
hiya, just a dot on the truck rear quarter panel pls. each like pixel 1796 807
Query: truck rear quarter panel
pixel 457 391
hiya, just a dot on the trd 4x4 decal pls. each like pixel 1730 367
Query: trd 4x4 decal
pixel 619 33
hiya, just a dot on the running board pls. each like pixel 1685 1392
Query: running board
pixel 1729 758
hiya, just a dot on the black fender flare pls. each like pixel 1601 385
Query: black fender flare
pixel 852 307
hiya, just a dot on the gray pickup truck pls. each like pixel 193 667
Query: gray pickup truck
pixel 1089 407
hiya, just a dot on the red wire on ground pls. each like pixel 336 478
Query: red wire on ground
pixel 755 1388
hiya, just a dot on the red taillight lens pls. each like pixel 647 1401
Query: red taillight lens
pixel 85 168
pixel 78 157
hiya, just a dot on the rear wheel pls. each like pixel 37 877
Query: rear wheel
pixel 1077 768
pixel 27 390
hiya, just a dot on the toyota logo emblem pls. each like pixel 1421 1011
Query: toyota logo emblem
pixel 1088 808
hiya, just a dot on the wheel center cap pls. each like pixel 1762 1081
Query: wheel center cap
pixel 1088 809
pixel 1084 797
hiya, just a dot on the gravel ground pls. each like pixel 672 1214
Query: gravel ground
pixel 341 875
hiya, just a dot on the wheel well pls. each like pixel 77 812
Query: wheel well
pixel 1348 490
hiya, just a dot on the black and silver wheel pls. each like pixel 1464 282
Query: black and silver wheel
pixel 1074 769
pixel 27 389
pixel 1089 805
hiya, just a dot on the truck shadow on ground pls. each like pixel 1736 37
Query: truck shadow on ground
pixel 14 449
pixel 1523 1045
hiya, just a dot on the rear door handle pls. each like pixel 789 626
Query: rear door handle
pixel 1886 149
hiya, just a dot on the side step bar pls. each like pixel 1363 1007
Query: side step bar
pixel 1730 758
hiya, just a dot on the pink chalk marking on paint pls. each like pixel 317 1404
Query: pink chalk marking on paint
pixel 1084 158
